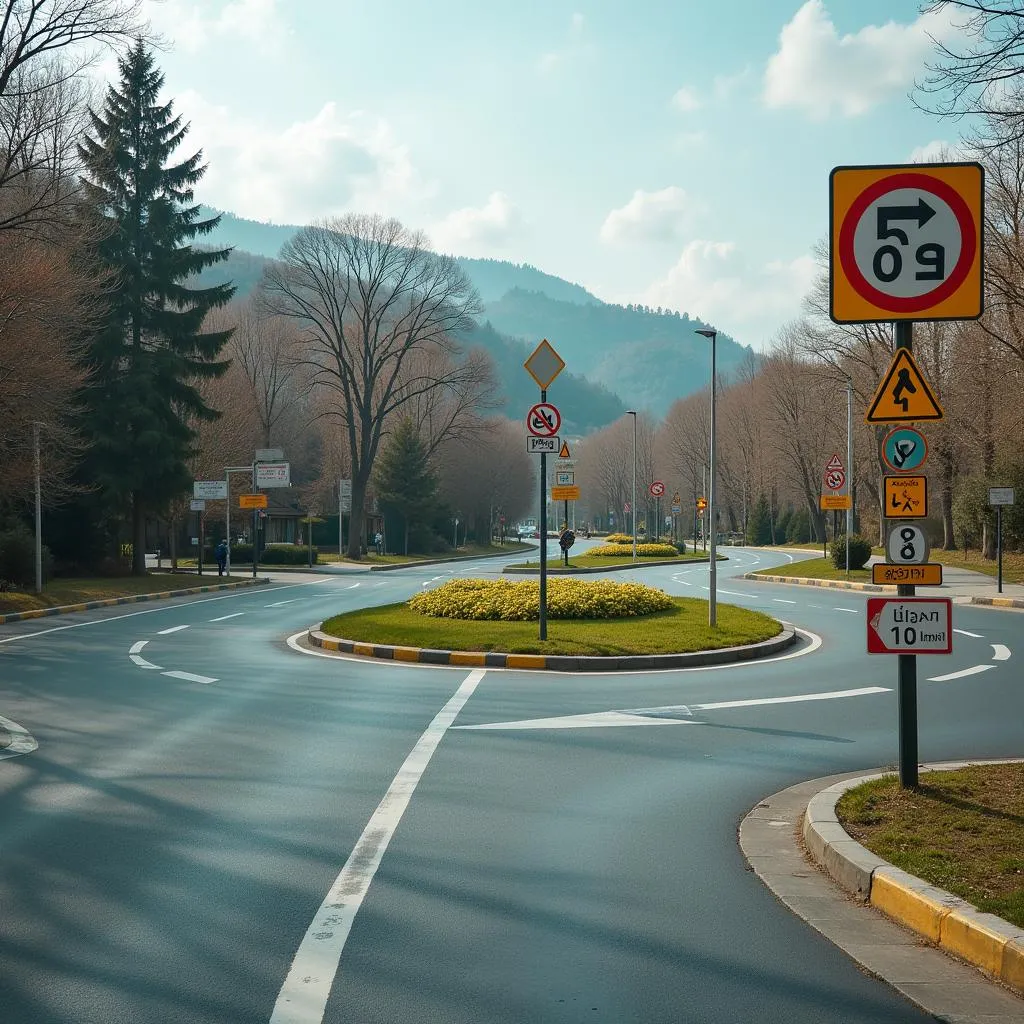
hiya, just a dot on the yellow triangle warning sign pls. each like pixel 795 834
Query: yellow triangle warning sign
pixel 563 452
pixel 904 394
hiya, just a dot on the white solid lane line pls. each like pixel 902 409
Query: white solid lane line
pixel 278 604
pixel 963 673
pixel 967 632
pixel 173 629
pixel 852 611
pixel 22 741
pixel 189 677
pixel 304 994
pixel 1000 652
pixel 782 600
pixel 224 618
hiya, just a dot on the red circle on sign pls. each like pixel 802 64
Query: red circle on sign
pixel 968 242
pixel 543 420
pixel 834 479
pixel 657 489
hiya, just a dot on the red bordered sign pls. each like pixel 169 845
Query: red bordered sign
pixel 543 420
pixel 905 242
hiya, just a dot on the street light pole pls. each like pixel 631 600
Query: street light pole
pixel 632 412
pixel 713 601
pixel 39 510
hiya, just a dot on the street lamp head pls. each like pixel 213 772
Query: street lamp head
pixel 631 412
pixel 707 332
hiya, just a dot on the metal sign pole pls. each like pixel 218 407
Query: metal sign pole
pixel 907 662
pixel 543 537
pixel 999 546
pixel 227 523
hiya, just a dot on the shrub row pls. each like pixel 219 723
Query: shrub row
pixel 18 558
pixel 510 601
pixel 626 550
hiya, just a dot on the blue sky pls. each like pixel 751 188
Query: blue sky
pixel 671 153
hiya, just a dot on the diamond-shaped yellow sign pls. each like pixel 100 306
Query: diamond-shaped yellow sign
pixel 545 364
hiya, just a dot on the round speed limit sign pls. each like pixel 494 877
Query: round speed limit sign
pixel 907 545
pixel 905 242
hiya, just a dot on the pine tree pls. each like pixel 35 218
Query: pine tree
pixel 142 401
pixel 405 484
pixel 759 525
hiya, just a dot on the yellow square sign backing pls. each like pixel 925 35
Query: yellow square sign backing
pixel 906 497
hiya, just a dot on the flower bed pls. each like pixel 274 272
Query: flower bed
pixel 643 550
pixel 520 601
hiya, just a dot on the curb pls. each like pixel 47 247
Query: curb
pixel 956 926
pixel 804 581
pixel 39 613
pixel 443 561
pixel 998 602
pixel 618 567
pixel 553 662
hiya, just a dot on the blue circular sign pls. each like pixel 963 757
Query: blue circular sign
pixel 904 449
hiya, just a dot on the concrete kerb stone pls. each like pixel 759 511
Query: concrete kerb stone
pixel 513 570
pixel 555 662
pixel 998 602
pixel 441 561
pixel 953 924
pixel 85 606
pixel 804 581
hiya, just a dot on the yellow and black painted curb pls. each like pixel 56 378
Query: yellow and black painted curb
pixel 554 662
pixel 998 602
pixel 984 940
pixel 84 606
pixel 556 570
pixel 805 581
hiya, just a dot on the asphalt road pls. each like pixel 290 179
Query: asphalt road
pixel 212 817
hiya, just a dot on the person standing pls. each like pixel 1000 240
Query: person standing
pixel 378 542
pixel 221 554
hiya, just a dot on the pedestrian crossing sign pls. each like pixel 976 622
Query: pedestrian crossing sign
pixel 904 395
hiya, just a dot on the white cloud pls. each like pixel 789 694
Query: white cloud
pixel 936 151
pixel 477 230
pixel 648 217
pixel 718 283
pixel 328 164
pixel 195 24
pixel 554 59
pixel 819 71
pixel 686 100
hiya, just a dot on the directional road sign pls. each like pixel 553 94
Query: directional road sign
pixel 209 490
pixel 904 450
pixel 905 242
pixel 904 394
pixel 907 545
pixel 906 497
pixel 542 445
pixel 543 420
pixel 544 364
pixel 657 489
pixel 910 625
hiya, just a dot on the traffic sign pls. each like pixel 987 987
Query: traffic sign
pixel 910 625
pixel 209 490
pixel 904 450
pixel 543 420
pixel 907 545
pixel 905 242
pixel 677 499
pixel 570 493
pixel 927 575
pixel 657 489
pixel 252 501
pixel 197 505
pixel 273 474
pixel 544 364
pixel 542 445
pixel 676 508
pixel 906 497
pixel 834 463
pixel 834 502
pixel 564 478
pixel 835 479
pixel 904 394
pixel 1000 495
pixel 563 452
pixel 701 504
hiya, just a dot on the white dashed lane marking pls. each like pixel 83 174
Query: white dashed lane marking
pixel 782 600
pixel 1000 652
pixel 172 629
pixel 962 674
pixel 967 632
pixel 224 618
pixel 278 604
pixel 135 655
pixel 852 611
pixel 190 677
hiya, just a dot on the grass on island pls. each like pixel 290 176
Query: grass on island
pixel 680 629
pixel 469 551
pixel 817 569
pixel 59 592
pixel 960 830
pixel 555 561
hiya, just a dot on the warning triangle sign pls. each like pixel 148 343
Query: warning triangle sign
pixel 834 463
pixel 563 452
pixel 904 394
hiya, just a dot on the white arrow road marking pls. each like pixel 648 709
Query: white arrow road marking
pixel 662 716
pixel 133 653
pixel 22 741
pixel 967 632
pixel 172 629
pixel 189 677
pixel 303 997
pixel 972 671
pixel 1000 652
pixel 224 618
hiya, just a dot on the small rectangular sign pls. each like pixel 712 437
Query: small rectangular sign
pixel 273 474
pixel 833 502
pixel 906 497
pixel 252 501
pixel 209 490
pixel 197 505
pixel 928 574
pixel 269 454
pixel 542 445
pixel 564 478
pixel 565 493
pixel 1000 495
pixel 910 625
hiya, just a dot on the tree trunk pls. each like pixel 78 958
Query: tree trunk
pixel 946 499
pixel 357 518
pixel 138 536
pixel 174 543
pixel 406 547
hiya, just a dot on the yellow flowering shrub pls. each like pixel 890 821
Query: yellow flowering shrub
pixel 626 549
pixel 513 601
pixel 619 538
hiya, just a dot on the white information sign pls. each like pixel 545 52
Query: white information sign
pixel 542 445
pixel 910 625
pixel 273 474
pixel 345 495
pixel 210 490
pixel 1000 495
pixel 197 505
pixel 907 545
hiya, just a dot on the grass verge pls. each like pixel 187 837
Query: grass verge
pixel 75 591
pixel 680 629
pixel 1013 563
pixel 817 569
pixel 961 830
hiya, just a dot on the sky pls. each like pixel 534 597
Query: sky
pixel 674 153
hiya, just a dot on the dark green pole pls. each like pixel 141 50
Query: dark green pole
pixel 543 537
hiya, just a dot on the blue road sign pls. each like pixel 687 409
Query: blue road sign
pixel 904 450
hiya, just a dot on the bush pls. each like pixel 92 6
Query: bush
pixel 510 601
pixel 286 554
pixel 860 551
pixel 619 538
pixel 626 550
pixel 18 558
